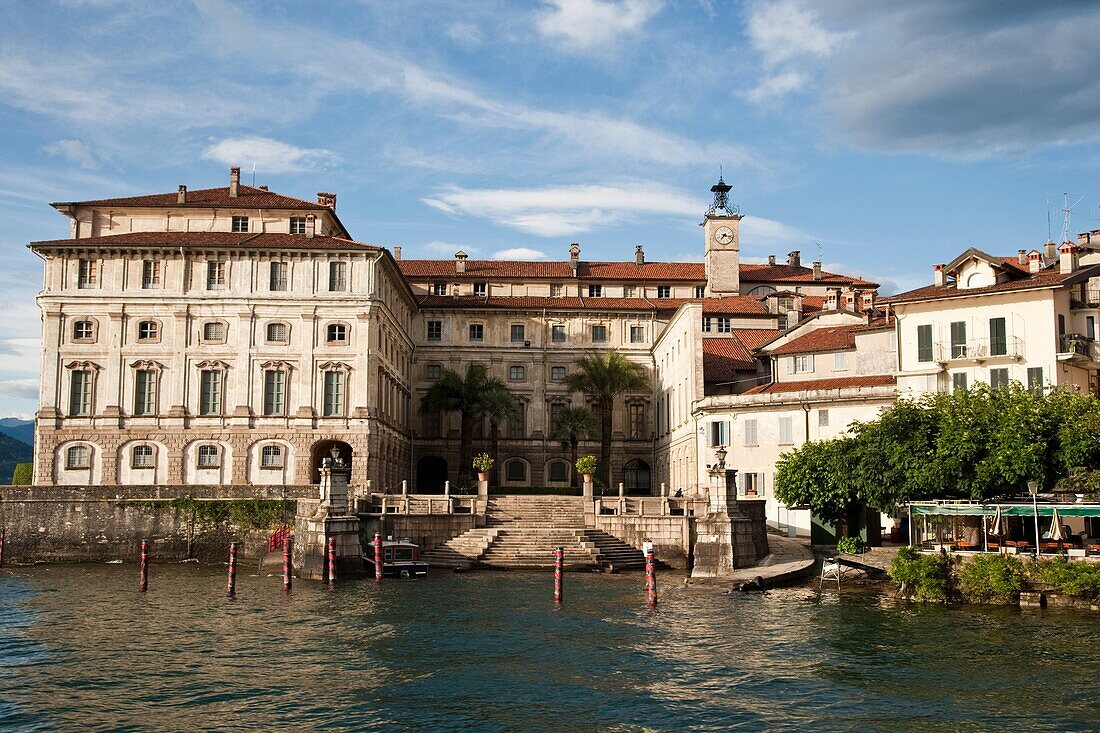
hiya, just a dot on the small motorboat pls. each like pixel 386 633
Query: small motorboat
pixel 400 559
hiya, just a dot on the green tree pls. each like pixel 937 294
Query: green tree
pixel 816 476
pixel 497 405
pixel 602 377
pixel 453 392
pixel 22 474
pixel 574 424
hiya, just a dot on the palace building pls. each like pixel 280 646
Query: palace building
pixel 237 336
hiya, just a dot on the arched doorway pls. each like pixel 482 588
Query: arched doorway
pixel 322 450
pixel 636 477
pixel 431 473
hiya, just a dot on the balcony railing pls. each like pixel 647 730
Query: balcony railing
pixel 1009 347
pixel 1085 297
pixel 1074 343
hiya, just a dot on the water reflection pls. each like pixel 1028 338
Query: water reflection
pixel 81 649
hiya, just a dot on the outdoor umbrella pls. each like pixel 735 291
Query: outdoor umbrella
pixel 1056 533
pixel 997 530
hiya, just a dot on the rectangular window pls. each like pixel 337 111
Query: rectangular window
pixel 515 470
pixel 87 275
pixel 557 333
pixel 477 332
pixel 750 433
pixel 334 394
pixel 83 331
pixel 337 277
pixel 840 361
pixel 555 291
pixel 148 331
pixel 559 471
pixel 274 392
pixel 998 378
pixel 336 333
pixel 213 331
pixel 802 364
pixel 438 288
pixel 924 343
pixel 750 484
pixel 433 371
pixel 517 373
pixel 706 324
pixel 481 289
pixel 1035 379
pixel 723 325
pixel 1090 328
pixel 297 225
pixel 719 433
pixel 637 334
pixel 786 433
pixel 664 291
pixel 958 339
pixel 78 456
pixel 240 224
pixel 145 392
pixel 150 274
pixel 80 393
pixel 517 332
pixel 636 414
pixel 557 373
pixel 700 291
pixel 555 416
pixel 278 277
pixel 215 275
pixel 517 427
pixel 142 456
pixel 998 337
pixel 823 418
pixel 958 380
pixel 210 392
pixel 595 291
pixel 277 333
pixel 599 334
pixel 431 424
pixel 208 456
pixel 271 456
pixel 628 291
pixel 435 330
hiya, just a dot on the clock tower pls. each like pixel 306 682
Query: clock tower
pixel 723 243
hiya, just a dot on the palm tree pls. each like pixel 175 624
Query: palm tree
pixel 498 405
pixel 454 393
pixel 602 377
pixel 573 424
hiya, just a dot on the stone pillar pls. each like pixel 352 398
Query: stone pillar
pixel 482 489
pixel 586 489
pixel 724 537
pixel 330 518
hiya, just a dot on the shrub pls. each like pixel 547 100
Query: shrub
pixel 587 464
pixel 22 474
pixel 851 546
pixel 924 577
pixel 483 462
pixel 1073 578
pixel 991 579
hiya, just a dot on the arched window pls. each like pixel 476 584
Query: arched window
pixel 278 333
pixel 148 331
pixel 78 456
pixel 271 456
pixel 515 470
pixel 84 331
pixel 213 332
pixel 636 476
pixel 762 290
pixel 141 456
pixel 337 333
pixel 208 456
pixel 558 472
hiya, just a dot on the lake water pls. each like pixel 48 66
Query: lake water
pixel 81 649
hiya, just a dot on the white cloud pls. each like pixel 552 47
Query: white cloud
pixel 775 86
pixel 74 151
pixel 789 29
pixel 467 35
pixel 519 253
pixel 21 389
pixel 269 156
pixel 758 233
pixel 593 25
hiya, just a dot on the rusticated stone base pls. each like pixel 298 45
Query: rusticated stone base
pixel 311 534
pixel 723 543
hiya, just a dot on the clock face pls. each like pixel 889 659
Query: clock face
pixel 724 235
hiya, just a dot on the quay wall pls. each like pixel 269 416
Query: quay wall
pixel 102 523
pixel 426 530
pixel 672 536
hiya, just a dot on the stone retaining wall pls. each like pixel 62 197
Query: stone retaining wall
pixel 427 531
pixel 672 537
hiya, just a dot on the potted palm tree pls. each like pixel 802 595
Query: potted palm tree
pixel 483 462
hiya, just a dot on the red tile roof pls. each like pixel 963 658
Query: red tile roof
pixel 208 239
pixel 830 338
pixel 812 304
pixel 724 357
pixel 740 305
pixel 1048 278
pixel 811 385
pixel 754 338
pixel 728 306
pixel 247 197
pixel 623 271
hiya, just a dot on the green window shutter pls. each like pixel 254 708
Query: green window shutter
pixel 998 337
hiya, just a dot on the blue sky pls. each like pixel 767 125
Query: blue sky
pixel 892 135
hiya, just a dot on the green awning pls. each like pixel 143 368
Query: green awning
pixel 1007 510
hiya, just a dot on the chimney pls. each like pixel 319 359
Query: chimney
pixel 574 257
pixel 397 253
pixel 1021 257
pixel 1067 258
pixel 850 301
pixel 794 259
pixel 460 262
pixel 264 187
pixel 234 181
pixel 639 255
pixel 937 275
pixel 771 260
pixel 867 299
pixel 1034 261
pixel 327 199
pixel 817 271
pixel 456 289
pixel 832 299
pixel 1050 251
pixel 311 226
pixel 181 197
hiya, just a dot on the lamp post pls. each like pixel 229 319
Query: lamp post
pixel 718 471
pixel 1033 487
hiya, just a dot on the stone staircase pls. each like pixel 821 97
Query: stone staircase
pixel 524 531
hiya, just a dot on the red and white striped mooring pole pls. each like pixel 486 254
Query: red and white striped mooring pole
pixel 286 563
pixel 331 562
pixel 559 561
pixel 232 569
pixel 1 548
pixel 378 556
pixel 143 583
pixel 650 573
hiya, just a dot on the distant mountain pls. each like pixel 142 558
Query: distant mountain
pixel 21 430
pixel 12 451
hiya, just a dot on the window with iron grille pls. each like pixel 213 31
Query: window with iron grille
pixel 213 331
pixel 277 333
pixel 150 274
pixel 78 456
pixel 208 456
pixel 240 224
pixel 271 456
pixel 141 456
pixel 278 277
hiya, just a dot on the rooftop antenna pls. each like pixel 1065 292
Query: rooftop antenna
pixel 820 251
pixel 1048 219
pixel 253 174
pixel 1067 213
